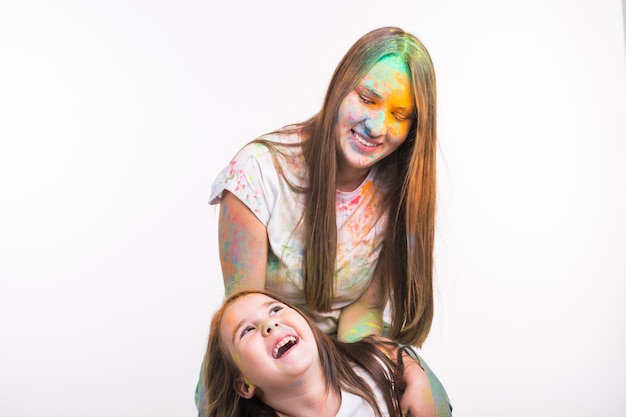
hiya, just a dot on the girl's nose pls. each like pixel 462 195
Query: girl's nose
pixel 268 326
pixel 375 124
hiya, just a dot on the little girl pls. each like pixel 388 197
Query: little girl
pixel 266 358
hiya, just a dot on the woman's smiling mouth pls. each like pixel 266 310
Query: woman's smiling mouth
pixel 361 140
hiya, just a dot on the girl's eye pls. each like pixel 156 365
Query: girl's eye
pixel 275 309
pixel 245 330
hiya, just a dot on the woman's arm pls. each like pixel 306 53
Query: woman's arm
pixel 243 246
pixel 364 316
pixel 417 398
pixel 413 382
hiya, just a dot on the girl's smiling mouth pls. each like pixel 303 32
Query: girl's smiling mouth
pixel 284 345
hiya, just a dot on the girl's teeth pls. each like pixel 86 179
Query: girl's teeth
pixel 282 343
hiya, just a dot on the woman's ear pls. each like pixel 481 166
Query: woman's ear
pixel 244 388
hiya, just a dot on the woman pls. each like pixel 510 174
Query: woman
pixel 273 361
pixel 336 214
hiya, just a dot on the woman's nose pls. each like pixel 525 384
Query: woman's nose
pixel 375 124
pixel 268 326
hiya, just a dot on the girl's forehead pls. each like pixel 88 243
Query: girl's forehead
pixel 248 300
pixel 245 305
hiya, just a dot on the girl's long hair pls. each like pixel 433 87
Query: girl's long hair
pixel 406 259
pixel 336 358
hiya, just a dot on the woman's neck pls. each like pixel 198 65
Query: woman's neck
pixel 349 179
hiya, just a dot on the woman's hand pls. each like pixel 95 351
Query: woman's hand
pixel 417 398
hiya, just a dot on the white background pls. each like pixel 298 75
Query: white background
pixel 115 116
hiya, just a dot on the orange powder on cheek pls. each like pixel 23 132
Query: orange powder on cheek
pixel 398 130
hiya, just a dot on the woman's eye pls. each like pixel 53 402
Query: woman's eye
pixel 365 99
pixel 402 116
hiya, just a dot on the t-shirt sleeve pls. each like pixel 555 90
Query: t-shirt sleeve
pixel 251 176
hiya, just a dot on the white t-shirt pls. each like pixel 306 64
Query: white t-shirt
pixel 355 406
pixel 253 176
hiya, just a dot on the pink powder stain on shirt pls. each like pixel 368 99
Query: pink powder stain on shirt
pixel 355 201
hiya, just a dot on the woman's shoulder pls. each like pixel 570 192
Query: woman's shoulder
pixel 285 149
pixel 263 147
pixel 287 135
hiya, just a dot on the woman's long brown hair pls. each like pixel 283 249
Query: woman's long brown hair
pixel 336 359
pixel 406 260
